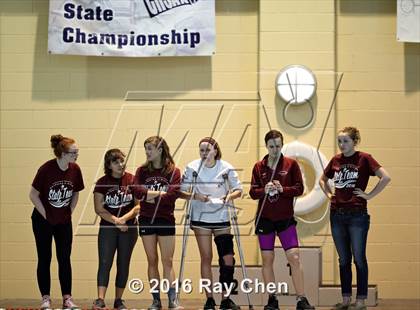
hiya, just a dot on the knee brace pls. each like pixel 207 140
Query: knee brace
pixel 224 245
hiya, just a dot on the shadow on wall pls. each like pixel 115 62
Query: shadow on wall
pixel 299 115
pixel 412 66
pixel 110 77
pixel 411 50
pixel 364 7
pixel 68 77
pixel 294 116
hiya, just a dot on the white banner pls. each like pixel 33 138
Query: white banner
pixel 132 28
pixel 408 20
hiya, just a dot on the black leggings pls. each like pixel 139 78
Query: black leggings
pixel 110 239
pixel 63 237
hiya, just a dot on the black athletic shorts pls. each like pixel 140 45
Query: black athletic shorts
pixel 160 227
pixel 210 226
pixel 266 226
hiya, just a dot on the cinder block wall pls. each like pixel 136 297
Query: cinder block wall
pixel 83 97
pixel 381 96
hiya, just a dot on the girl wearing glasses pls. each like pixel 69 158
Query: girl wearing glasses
pixel 54 194
pixel 114 203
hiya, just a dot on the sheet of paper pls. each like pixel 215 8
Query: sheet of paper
pixel 216 201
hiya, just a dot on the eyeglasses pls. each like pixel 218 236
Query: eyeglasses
pixel 73 153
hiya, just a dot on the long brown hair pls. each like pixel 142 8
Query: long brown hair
pixel 166 158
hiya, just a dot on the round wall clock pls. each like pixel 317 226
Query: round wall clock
pixel 296 84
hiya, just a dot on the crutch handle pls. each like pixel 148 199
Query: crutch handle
pixel 225 180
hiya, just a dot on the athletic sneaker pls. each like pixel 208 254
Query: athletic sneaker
pixel 156 305
pixel 303 304
pixel 173 304
pixel 357 306
pixel 45 302
pixel 68 303
pixel 341 306
pixel 272 304
pixel 119 304
pixel 228 304
pixel 99 304
pixel 210 304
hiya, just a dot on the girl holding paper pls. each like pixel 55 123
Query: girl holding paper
pixel 210 214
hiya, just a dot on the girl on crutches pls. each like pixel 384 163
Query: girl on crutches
pixel 210 215
pixel 115 204
pixel 156 185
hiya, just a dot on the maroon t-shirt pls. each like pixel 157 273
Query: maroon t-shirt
pixel 56 188
pixel 118 197
pixel 156 181
pixel 279 206
pixel 349 173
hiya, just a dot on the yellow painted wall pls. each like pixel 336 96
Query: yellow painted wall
pixel 84 97
pixel 381 96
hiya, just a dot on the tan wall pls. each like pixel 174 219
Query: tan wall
pixel 381 96
pixel 83 97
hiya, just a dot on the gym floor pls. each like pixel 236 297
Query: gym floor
pixel 386 304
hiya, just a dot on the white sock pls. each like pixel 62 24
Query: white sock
pixel 360 302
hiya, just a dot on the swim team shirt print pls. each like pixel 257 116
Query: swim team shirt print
pixel 349 173
pixel 60 194
pixel 56 189
pixel 118 196
pixel 346 177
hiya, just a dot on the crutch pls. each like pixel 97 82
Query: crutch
pixel 266 195
pixel 234 221
pixel 187 222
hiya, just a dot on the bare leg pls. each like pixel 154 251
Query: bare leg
pixel 297 270
pixel 101 292
pixel 167 249
pixel 204 242
pixel 150 247
pixel 267 266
